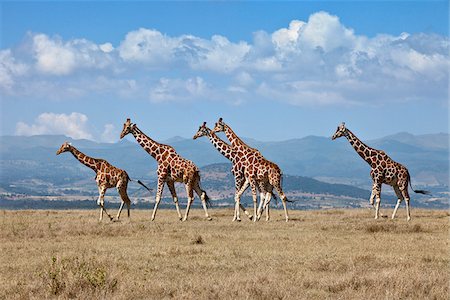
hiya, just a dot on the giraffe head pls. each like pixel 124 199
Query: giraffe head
pixel 202 131
pixel 220 126
pixel 340 131
pixel 64 148
pixel 127 128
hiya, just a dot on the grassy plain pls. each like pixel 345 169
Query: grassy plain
pixel 327 254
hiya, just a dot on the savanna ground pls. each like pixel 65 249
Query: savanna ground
pixel 334 254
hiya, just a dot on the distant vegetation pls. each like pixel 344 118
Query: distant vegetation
pixel 31 171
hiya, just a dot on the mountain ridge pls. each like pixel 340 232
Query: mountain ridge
pixel 31 162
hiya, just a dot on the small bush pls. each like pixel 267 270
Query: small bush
pixel 198 240
pixel 70 276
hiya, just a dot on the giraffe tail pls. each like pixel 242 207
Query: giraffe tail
pixel 207 199
pixel 140 182
pixel 146 187
pixel 417 191
pixel 281 184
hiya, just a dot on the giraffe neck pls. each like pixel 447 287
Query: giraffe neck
pixel 224 148
pixel 84 159
pixel 233 138
pixel 362 149
pixel 149 145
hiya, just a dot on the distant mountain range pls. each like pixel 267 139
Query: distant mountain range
pixel 29 165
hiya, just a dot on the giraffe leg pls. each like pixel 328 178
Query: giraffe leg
pixel 372 196
pixel 255 198
pixel 267 205
pixel 407 210
pixel 101 202
pixel 173 192
pixel 250 216
pixel 399 197
pixel 158 195
pixel 202 195
pixel 377 192
pixel 262 200
pixel 238 182
pixel 190 196
pixel 405 194
pixel 237 199
pixel 122 189
pixel 283 197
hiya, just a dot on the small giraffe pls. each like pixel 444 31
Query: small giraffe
pixel 171 168
pixel 226 150
pixel 257 169
pixel 107 176
pixel 384 170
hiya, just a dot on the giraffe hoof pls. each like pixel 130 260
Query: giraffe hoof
pixel 250 217
pixel 209 218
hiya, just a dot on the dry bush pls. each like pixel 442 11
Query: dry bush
pixel 76 276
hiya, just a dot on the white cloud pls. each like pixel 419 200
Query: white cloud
pixel 9 69
pixel 106 47
pixel 53 56
pixel 287 38
pixel 110 134
pixel 220 55
pixel 147 45
pixel 73 125
pixel 320 49
pixel 168 90
pixel 325 31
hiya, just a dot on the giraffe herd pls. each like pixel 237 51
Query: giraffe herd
pixel 249 167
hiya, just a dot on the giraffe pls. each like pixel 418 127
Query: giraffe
pixel 171 168
pixel 384 170
pixel 256 169
pixel 226 150
pixel 107 176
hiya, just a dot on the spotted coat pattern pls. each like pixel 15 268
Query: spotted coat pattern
pixel 383 170
pixel 257 169
pixel 107 176
pixel 171 168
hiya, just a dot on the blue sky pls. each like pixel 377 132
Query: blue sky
pixel 272 70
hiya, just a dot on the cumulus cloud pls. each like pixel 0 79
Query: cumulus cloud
pixel 110 134
pixel 168 90
pixel 73 125
pixel 320 60
pixel 147 45
pixel 56 57
pixel 9 69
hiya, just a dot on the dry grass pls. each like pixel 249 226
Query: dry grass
pixel 336 254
